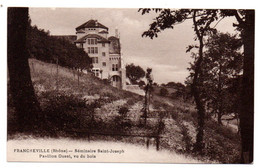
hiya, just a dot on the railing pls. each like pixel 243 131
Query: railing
pixel 148 137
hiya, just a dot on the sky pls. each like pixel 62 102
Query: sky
pixel 165 55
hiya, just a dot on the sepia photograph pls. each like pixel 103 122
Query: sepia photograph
pixel 130 85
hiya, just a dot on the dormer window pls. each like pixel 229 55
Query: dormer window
pixel 92 41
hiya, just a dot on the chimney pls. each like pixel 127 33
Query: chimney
pixel 116 33
pixel 96 23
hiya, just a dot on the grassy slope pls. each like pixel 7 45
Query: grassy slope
pixel 179 118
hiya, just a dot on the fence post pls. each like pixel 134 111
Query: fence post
pixel 88 137
pixel 147 142
pixel 157 142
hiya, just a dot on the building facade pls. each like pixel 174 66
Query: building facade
pixel 104 51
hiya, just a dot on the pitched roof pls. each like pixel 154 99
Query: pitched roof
pixel 80 31
pixel 113 38
pixel 91 24
pixel 103 31
pixel 100 38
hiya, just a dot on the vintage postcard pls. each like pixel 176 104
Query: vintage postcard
pixel 135 85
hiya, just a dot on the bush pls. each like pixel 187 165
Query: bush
pixel 186 138
pixel 141 83
pixel 123 111
pixel 106 81
pixel 164 92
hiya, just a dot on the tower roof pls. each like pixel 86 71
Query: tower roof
pixel 100 38
pixel 91 24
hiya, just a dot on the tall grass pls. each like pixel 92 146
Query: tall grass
pixel 91 105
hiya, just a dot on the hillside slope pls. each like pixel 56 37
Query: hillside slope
pixel 89 104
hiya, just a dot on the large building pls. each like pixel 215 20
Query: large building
pixel 105 52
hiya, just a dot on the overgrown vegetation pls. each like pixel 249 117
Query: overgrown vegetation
pixel 105 110
pixel 42 46
pixel 135 73
pixel 203 24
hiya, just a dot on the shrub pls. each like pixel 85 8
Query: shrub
pixel 62 112
pixel 106 81
pixel 186 138
pixel 164 92
pixel 174 115
pixel 123 111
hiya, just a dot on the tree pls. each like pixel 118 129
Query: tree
pixel 222 63
pixel 81 61
pixel 141 83
pixel 54 49
pixel 202 20
pixel 164 92
pixel 25 102
pixel 134 73
pixel 148 89
pixel 246 24
pixel 175 85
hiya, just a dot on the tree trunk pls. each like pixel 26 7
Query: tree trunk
pixel 195 90
pixel 145 104
pixel 247 97
pixel 199 103
pixel 25 102
pixel 57 73
pixel 220 100
pixel 78 77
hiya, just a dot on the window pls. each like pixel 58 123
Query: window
pixel 115 78
pixel 94 60
pixel 103 45
pixel 81 45
pixel 104 64
pixel 92 50
pixel 92 41
pixel 103 54
pixel 114 67
pixel 96 72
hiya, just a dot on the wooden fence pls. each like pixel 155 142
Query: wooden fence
pixel 148 138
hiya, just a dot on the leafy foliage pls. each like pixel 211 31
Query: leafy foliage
pixel 52 49
pixel 221 66
pixel 123 111
pixel 203 20
pixel 167 18
pixel 164 92
pixel 134 73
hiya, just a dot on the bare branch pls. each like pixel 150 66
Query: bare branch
pixel 239 19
